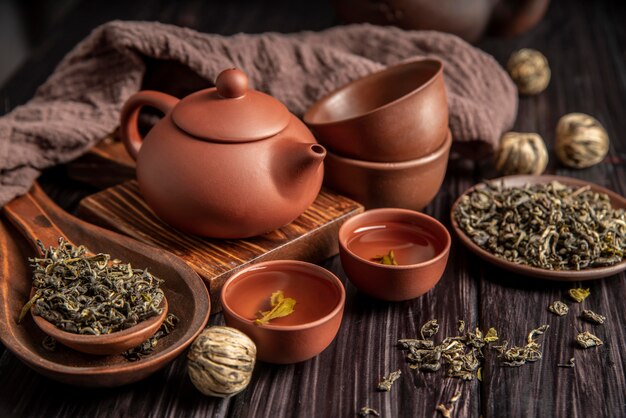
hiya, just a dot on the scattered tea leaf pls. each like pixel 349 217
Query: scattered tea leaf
pixel 558 308
pixel 406 343
pixel 591 316
pixel 429 329
pixel 388 259
pixel 148 346
pixel 491 335
pixel 49 343
pixel 460 353
pixel 517 356
pixel 366 410
pixel 385 384
pixel 461 326
pixel 479 374
pixel 579 294
pixel 570 363
pixel 446 412
pixel 281 306
pixel 588 340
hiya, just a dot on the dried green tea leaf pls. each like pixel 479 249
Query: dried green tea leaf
pixel 388 259
pixel 407 342
pixel 558 308
pixel 588 340
pixel 579 294
pixel 429 329
pixel 536 332
pixel 148 346
pixel 475 339
pixel 479 374
pixel 49 343
pixel 461 326
pixel 281 306
pixel 27 307
pixel 446 412
pixel 366 410
pixel 456 397
pixel 385 384
pixel 570 363
pixel 491 335
pixel 515 356
pixel 591 316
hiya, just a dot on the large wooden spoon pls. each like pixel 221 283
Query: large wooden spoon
pixel 35 224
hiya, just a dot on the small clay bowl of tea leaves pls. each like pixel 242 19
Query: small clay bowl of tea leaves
pixel 104 344
pixel 394 254
pixel 292 310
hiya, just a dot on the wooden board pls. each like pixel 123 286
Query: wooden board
pixel 105 165
pixel 311 237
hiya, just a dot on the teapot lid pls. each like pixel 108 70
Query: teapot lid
pixel 230 112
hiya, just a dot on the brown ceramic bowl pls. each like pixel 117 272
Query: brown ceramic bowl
pixel 320 298
pixel 105 344
pixel 421 245
pixel 397 114
pixel 409 184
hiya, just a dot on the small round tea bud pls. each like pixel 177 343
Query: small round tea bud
pixel 529 70
pixel 581 141
pixel 221 360
pixel 521 153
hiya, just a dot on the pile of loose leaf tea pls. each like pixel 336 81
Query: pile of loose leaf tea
pixel 91 294
pixel 550 226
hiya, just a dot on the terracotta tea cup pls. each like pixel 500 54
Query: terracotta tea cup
pixel 408 184
pixel 396 114
pixel 420 243
pixel 320 298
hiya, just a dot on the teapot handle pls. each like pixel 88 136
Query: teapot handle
pixel 130 114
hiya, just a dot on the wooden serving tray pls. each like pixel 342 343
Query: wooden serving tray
pixel 311 237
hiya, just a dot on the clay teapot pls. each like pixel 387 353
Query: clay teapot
pixel 224 162
pixel 468 19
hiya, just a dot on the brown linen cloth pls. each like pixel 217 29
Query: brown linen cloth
pixel 81 101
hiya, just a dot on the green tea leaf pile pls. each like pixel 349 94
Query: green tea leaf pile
pixel 550 226
pixel 91 294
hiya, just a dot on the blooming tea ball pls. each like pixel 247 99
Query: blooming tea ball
pixel 581 141
pixel 529 70
pixel 221 360
pixel 521 153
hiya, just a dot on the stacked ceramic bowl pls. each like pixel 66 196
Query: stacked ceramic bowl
pixel 387 135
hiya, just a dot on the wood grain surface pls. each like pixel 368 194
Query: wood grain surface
pixel 585 43
pixel 311 237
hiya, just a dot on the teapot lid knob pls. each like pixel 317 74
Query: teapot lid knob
pixel 231 83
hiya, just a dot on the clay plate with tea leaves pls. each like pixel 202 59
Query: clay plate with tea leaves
pixel 617 202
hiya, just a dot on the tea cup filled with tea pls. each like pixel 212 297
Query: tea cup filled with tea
pixel 397 114
pixel 292 310
pixel 394 254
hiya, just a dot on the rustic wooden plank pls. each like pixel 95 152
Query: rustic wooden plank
pixel 589 74
pixel 311 237
pixel 582 43
pixel 105 165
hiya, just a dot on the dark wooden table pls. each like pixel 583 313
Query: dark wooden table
pixel 586 44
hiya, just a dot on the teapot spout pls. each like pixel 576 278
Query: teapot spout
pixel 300 167
pixel 307 158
